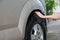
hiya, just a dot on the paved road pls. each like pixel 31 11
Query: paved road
pixel 53 30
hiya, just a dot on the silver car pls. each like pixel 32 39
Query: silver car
pixel 18 20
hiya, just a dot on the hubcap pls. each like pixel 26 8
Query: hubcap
pixel 36 32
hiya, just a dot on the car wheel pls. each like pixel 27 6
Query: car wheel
pixel 35 28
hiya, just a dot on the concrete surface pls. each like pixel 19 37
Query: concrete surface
pixel 53 30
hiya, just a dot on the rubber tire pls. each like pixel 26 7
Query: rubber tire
pixel 32 21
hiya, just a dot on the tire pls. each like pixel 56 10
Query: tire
pixel 35 28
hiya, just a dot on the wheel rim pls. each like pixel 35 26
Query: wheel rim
pixel 36 32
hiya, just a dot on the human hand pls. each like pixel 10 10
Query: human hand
pixel 39 14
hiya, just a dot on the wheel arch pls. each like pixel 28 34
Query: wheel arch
pixel 26 11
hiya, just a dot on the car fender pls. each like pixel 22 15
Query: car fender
pixel 27 9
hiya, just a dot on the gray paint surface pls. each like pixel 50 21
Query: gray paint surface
pixel 10 11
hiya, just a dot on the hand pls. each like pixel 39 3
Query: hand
pixel 39 14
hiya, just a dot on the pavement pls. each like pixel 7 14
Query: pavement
pixel 53 30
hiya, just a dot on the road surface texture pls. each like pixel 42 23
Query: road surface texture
pixel 53 30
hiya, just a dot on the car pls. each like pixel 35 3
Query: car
pixel 19 21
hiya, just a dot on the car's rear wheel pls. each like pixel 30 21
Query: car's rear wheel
pixel 35 28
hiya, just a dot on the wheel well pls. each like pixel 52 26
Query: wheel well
pixel 33 12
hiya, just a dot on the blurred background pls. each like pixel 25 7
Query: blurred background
pixel 53 7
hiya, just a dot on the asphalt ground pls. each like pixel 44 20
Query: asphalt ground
pixel 53 30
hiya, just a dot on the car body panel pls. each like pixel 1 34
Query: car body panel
pixel 14 14
pixel 28 8
pixel 10 11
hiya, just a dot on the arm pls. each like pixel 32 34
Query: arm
pixel 54 16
